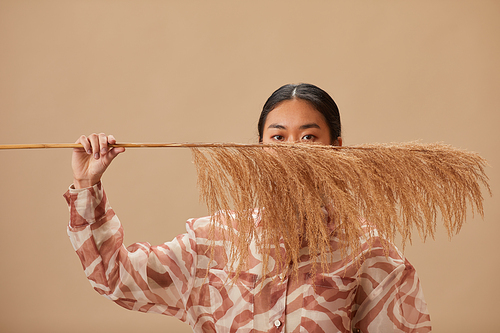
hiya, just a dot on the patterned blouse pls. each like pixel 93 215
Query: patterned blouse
pixel 379 293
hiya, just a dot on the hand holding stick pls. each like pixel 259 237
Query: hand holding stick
pixel 93 158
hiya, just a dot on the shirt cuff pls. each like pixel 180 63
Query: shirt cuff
pixel 86 205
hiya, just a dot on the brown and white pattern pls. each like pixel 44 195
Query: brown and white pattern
pixel 382 294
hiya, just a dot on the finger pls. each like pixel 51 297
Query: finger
pixel 112 153
pixel 111 139
pixel 117 150
pixel 83 140
pixel 103 144
pixel 94 142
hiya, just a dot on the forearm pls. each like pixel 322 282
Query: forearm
pixel 140 273
pixel 96 235
pixel 390 297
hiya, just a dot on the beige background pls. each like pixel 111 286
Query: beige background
pixel 174 71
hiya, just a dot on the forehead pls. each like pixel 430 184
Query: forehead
pixel 295 112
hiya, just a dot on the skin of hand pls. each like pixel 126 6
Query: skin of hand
pixel 90 162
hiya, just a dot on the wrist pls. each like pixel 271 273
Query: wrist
pixel 84 183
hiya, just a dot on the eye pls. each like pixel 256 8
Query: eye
pixel 278 137
pixel 308 137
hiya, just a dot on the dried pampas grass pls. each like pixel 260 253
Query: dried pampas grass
pixel 398 188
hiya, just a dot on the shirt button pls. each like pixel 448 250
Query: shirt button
pixel 277 323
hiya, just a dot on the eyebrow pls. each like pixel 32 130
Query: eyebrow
pixel 305 126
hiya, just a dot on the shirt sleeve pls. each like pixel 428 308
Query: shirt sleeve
pixel 140 277
pixel 389 295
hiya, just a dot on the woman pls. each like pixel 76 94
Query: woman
pixel 380 293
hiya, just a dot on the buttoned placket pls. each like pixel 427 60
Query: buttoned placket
pixel 277 315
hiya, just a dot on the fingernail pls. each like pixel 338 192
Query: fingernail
pixel 96 156
pixel 103 151
pixel 89 151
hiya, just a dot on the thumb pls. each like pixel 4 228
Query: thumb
pixel 111 155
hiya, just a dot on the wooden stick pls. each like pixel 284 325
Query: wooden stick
pixel 185 145
pixel 161 145
pixel 128 145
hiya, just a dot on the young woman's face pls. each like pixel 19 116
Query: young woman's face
pixel 296 120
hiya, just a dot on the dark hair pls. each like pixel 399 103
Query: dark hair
pixel 318 98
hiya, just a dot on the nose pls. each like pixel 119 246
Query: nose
pixel 292 139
